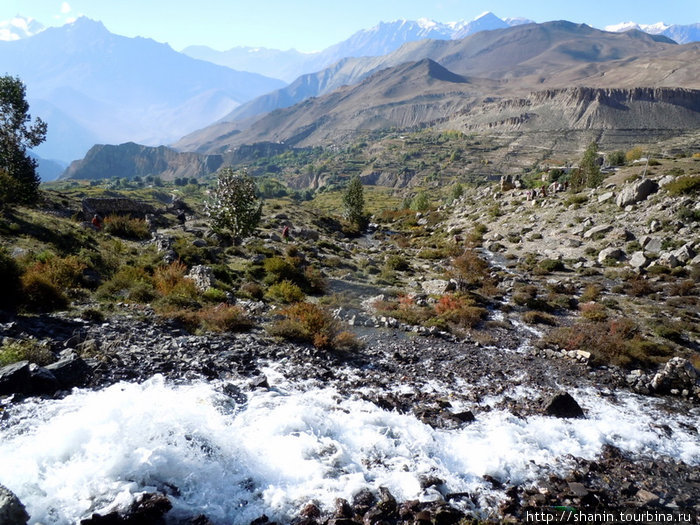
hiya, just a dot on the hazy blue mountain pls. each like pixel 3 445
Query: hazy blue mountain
pixel 99 87
pixel 683 34
pixel 47 169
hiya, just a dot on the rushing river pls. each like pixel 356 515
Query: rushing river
pixel 236 456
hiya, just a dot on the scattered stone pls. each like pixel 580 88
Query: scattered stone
pixel 12 512
pixel 646 498
pixel 667 259
pixel 562 405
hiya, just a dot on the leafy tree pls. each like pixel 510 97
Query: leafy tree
pixel 588 173
pixel 235 206
pixel 19 182
pixel 420 202
pixel 354 202
pixel 616 158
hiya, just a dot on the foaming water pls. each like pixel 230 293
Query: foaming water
pixel 281 448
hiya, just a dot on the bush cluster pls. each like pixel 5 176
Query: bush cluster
pixel 307 322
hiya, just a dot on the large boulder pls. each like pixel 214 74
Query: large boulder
pixel 12 511
pixel 15 378
pixel 70 371
pixel 611 253
pixel 636 192
pixel 436 286
pixel 562 405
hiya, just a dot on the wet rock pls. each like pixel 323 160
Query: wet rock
pixel 342 508
pixel 12 512
pixel 562 405
pixel 42 380
pixel 70 371
pixel 363 501
pixel 636 192
pixel 148 510
pixel 14 378
pixel 311 510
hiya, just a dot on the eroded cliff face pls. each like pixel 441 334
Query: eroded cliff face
pixel 590 108
pixel 132 160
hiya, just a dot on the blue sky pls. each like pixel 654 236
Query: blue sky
pixel 315 24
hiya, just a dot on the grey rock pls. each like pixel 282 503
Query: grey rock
pixel 684 254
pixel 651 244
pixel 203 277
pixel 667 259
pixel 611 253
pixel 71 371
pixel 562 405
pixel 639 260
pixel 15 378
pixel 636 192
pixel 199 243
pixel 436 286
pixel 12 512
pixel 678 374
pixel 604 228
pixel 608 195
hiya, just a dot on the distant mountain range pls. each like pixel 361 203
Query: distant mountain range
pixel 503 62
pixel 386 37
pixel 683 34
pixel 381 39
pixel 92 86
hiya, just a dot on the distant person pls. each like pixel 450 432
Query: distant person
pixel 97 222
pixel 285 233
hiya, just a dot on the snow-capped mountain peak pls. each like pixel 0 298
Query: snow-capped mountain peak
pixel 19 27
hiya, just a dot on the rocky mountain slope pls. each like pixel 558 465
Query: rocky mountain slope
pixel 534 53
pixel 134 160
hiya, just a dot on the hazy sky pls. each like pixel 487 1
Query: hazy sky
pixel 312 25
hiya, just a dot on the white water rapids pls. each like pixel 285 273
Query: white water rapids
pixel 93 451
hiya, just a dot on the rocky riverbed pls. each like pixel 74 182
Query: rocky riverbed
pixel 413 428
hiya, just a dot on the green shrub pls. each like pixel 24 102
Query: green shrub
pixel 285 292
pixel 307 322
pixel 26 350
pixel 279 269
pixel 397 263
pixel 546 266
pixel 251 291
pixel 127 228
pixel 41 295
pixel 534 317
pixel 131 283
pixel 684 185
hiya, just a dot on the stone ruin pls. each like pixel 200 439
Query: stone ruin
pixel 105 207
pixel 510 182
